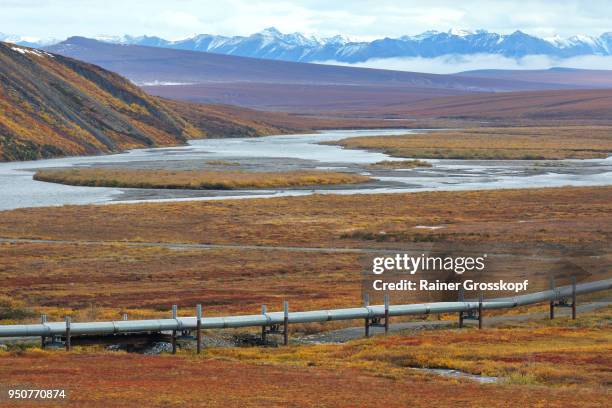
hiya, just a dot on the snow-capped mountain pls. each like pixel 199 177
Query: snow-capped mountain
pixel 27 41
pixel 272 44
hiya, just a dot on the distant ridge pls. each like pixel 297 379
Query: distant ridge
pixel 147 65
pixel 587 78
pixel 274 85
pixel 591 106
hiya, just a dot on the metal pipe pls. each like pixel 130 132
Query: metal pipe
pixel 49 329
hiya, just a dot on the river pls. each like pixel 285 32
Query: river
pixel 291 152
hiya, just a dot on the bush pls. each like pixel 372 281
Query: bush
pixel 11 309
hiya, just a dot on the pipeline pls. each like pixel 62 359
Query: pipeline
pixel 49 329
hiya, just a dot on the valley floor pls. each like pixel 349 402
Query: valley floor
pixel 97 262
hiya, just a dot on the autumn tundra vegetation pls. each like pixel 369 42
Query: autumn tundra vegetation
pixel 123 257
pixel 548 363
pixel 399 164
pixel 507 143
pixel 194 179
pixel 99 262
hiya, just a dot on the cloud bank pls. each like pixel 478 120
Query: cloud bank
pixel 450 64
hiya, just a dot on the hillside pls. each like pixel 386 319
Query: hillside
pixel 52 106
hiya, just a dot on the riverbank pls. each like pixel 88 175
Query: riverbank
pixel 508 143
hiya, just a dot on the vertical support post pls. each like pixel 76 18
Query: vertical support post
pixel 480 311
pixel 174 316
pixel 43 339
pixel 286 323
pixel 573 298
pixel 386 313
pixel 199 328
pixel 264 310
pixel 68 346
pixel 552 302
pixel 366 303
pixel 461 299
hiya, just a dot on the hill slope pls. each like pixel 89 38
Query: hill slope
pixel 53 106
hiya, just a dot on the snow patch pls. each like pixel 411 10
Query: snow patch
pixel 459 32
pixel 430 227
pixel 163 83
pixel 25 51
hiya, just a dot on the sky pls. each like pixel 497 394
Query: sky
pixel 357 19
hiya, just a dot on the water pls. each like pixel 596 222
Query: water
pixel 445 372
pixel 292 152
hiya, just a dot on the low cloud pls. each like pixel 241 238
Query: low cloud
pixel 449 64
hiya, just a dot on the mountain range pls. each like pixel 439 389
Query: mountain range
pixel 266 84
pixel 52 105
pixel 147 65
pixel 272 44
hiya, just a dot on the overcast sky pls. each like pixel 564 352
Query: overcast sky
pixel 358 19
